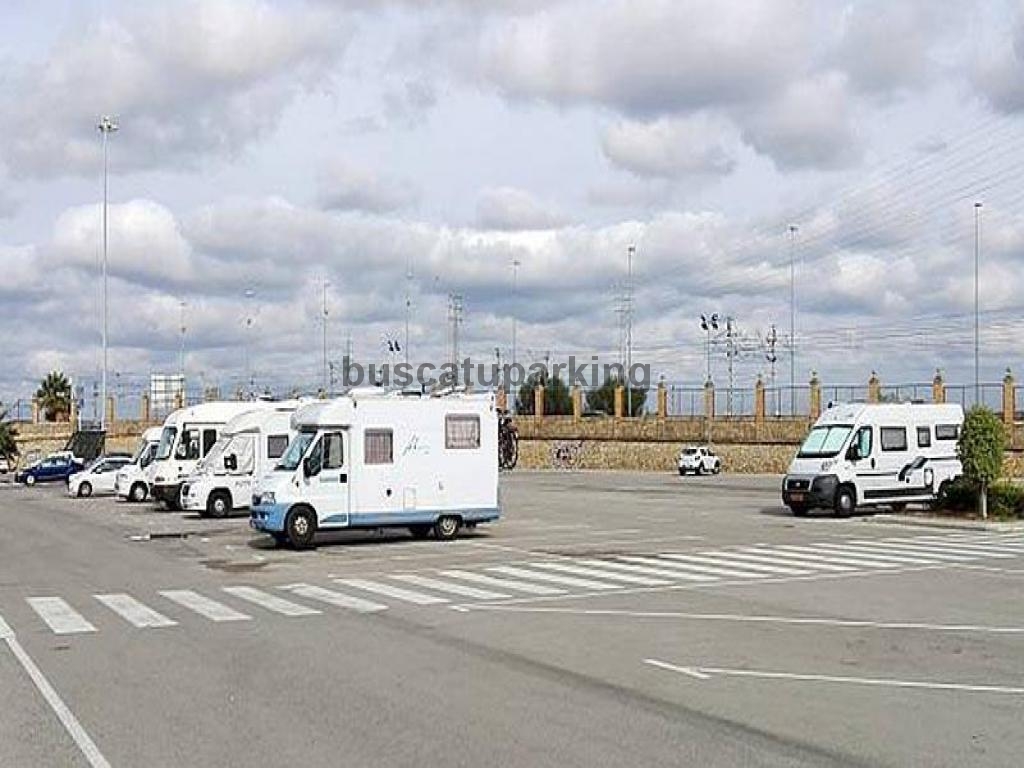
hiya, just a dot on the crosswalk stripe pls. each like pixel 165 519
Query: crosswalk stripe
pixel 983 550
pixel 767 556
pixel 712 565
pixel 933 550
pixel 270 602
pixel 649 570
pixel 454 589
pixel 913 550
pixel 59 616
pixel 681 570
pixel 729 559
pixel 845 549
pixel 407 595
pixel 337 599
pixel 814 553
pixel 134 612
pixel 204 606
pixel 570 581
pixel 513 584
pixel 600 573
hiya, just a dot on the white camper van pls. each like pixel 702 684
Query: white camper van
pixel 374 459
pixel 877 454
pixel 131 482
pixel 187 436
pixel 248 448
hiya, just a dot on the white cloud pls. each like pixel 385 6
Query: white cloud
pixel 672 147
pixel 349 187
pixel 999 72
pixel 511 209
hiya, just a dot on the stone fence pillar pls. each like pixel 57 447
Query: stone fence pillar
pixel 577 403
pixel 36 411
pixel 620 399
pixel 759 400
pixel 73 415
pixel 815 397
pixel 111 409
pixel 538 401
pixel 874 389
pixel 1009 398
pixel 709 399
pixel 938 388
pixel 662 400
pixel 145 411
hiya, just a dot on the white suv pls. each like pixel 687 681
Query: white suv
pixel 700 460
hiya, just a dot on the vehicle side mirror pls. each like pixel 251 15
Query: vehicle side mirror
pixel 181 452
pixel 853 453
pixel 231 462
pixel 307 467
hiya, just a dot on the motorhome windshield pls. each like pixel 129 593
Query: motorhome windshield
pixel 296 450
pixel 212 459
pixel 146 454
pixel 163 450
pixel 825 442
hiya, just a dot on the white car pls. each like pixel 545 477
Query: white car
pixel 700 460
pixel 5 467
pixel 98 477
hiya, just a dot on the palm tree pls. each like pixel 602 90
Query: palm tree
pixel 54 396
pixel 8 446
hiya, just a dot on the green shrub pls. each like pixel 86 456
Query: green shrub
pixel 1004 499
pixel 980 450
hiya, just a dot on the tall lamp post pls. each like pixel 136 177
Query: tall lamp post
pixel 792 319
pixel 630 252
pixel 106 126
pixel 515 297
pixel 977 331
pixel 708 323
pixel 327 285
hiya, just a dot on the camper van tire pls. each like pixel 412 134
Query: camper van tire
pixel 798 510
pixel 138 493
pixel 447 527
pixel 219 504
pixel 898 506
pixel 301 526
pixel 846 501
pixel 85 489
pixel 420 531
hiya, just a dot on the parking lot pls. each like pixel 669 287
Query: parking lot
pixel 607 619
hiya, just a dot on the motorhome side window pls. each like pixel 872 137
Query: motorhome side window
pixel 209 438
pixel 947 431
pixel 276 446
pixel 333 456
pixel 461 431
pixel 893 438
pixel 924 437
pixel 378 446
pixel 188 449
pixel 863 442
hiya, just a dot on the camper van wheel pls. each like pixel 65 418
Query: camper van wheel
pixel 138 493
pixel 799 511
pixel 420 531
pixel 85 489
pixel 219 504
pixel 899 506
pixel 846 502
pixel 447 527
pixel 301 525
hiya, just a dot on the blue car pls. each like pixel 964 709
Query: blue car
pixel 56 467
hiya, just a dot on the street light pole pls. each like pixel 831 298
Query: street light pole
pixel 247 342
pixel 515 299
pixel 106 126
pixel 977 331
pixel 325 372
pixel 792 319
pixel 629 327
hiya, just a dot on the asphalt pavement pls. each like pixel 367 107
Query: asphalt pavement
pixel 608 619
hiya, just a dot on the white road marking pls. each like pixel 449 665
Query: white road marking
pixel 569 581
pixel 336 599
pixel 711 565
pixel 454 589
pixel 204 606
pixel 67 718
pixel 513 584
pixel 271 602
pixel 758 619
pixel 814 553
pixel 767 556
pixel 134 612
pixel 697 572
pixel 729 559
pixel 599 573
pixel 59 616
pixel 648 570
pixel 408 595
pixel 977 550
pixel 915 550
pixel 870 681
pixel 876 553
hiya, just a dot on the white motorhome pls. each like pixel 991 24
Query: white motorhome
pixel 374 459
pixel 188 435
pixel 131 481
pixel 248 448
pixel 875 454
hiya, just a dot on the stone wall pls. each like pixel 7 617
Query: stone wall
pixel 47 437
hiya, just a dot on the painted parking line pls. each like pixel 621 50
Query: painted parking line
pixel 270 602
pixel 204 606
pixel 59 616
pixel 135 613
pixel 705 673
pixel 337 599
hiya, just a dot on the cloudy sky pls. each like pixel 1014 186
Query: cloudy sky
pixel 269 146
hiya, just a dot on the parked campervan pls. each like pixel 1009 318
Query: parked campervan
pixel 248 448
pixel 875 454
pixel 188 435
pixel 131 482
pixel 374 459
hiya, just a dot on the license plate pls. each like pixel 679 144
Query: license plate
pixel 796 497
